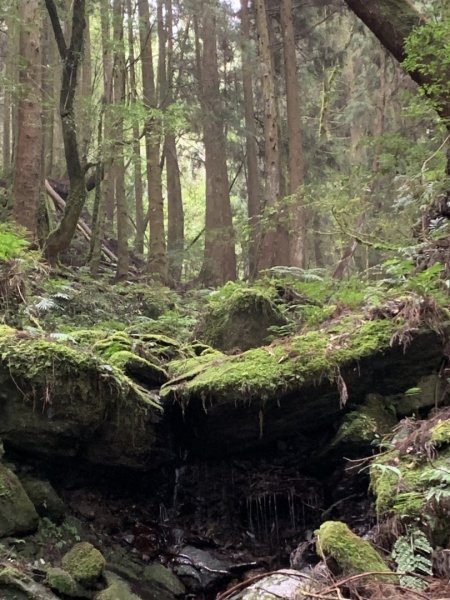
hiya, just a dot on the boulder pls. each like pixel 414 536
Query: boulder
pixel 60 400
pixel 239 318
pixel 45 499
pixel 17 585
pixel 287 584
pixel 63 583
pixel 84 563
pixel 117 589
pixel 17 513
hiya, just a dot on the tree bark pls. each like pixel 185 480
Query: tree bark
pixel 119 167
pixel 27 183
pixel 60 238
pixel 157 256
pixel 274 241
pixel 137 164
pixel 219 260
pixel 297 220
pixel 175 212
pixel 251 146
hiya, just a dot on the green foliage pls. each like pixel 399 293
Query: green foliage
pixel 12 243
pixel 412 554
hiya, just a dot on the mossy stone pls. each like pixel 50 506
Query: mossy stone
pixel 17 513
pixel 63 583
pixel 17 585
pixel 161 577
pixel 346 553
pixel 45 499
pixel 85 563
pixel 117 589
pixel 240 320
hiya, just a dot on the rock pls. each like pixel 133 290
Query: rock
pixel 16 585
pixel 117 589
pixel 345 553
pixel 201 569
pixel 85 563
pixel 17 513
pixel 162 578
pixel 63 583
pixel 361 427
pixel 287 584
pixel 239 318
pixel 46 501
pixel 58 400
pixel 429 391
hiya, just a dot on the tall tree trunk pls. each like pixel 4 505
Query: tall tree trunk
pixel 274 244
pixel 175 213
pixel 137 166
pixel 60 238
pixel 253 183
pixel 48 92
pixel 297 220
pixel 157 257
pixel 9 76
pixel 119 168
pixel 27 171
pixel 86 93
pixel 219 261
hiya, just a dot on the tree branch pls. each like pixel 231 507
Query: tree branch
pixel 57 30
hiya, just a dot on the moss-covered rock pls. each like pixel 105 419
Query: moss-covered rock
pixel 346 553
pixel 57 399
pixel 63 583
pixel 161 578
pixel 240 319
pixel 364 426
pixel 428 392
pixel 84 563
pixel 46 501
pixel 117 589
pixel 17 513
pixel 17 585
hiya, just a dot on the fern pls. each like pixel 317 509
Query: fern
pixel 439 482
pixel 12 245
pixel 412 555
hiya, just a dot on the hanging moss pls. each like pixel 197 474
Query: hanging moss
pixel 138 368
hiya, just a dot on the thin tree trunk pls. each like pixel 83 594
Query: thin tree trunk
pixel 219 261
pixel 274 244
pixel 119 168
pixel 157 256
pixel 175 213
pixel 297 233
pixel 27 183
pixel 137 165
pixel 86 93
pixel 253 183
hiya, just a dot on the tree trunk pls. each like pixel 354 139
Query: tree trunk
pixel 274 244
pixel 219 260
pixel 27 172
pixel 157 257
pixel 175 213
pixel 251 146
pixel 60 238
pixel 119 168
pixel 297 220
pixel 137 166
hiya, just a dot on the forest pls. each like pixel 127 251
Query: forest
pixel 224 299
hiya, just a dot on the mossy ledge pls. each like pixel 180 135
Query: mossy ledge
pixel 61 400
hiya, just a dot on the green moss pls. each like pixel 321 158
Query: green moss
pixel 440 434
pixel 114 343
pixel 348 553
pixel 62 582
pixel 84 563
pixel 268 371
pixel 45 499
